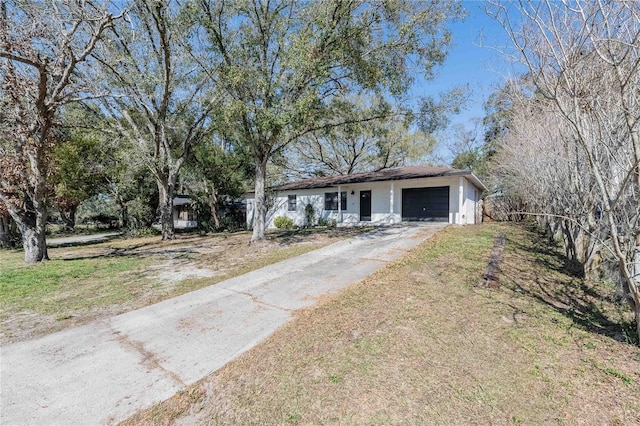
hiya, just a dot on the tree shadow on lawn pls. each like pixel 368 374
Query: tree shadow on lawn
pixel 549 254
pixel 186 245
pixel 134 251
pixel 292 236
pixel 589 305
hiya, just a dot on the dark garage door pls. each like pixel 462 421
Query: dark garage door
pixel 426 204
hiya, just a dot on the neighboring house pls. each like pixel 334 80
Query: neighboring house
pixel 183 215
pixel 390 196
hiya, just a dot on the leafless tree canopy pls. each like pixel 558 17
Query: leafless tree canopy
pixel 376 138
pixel 574 147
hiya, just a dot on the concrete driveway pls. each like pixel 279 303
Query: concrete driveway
pixel 104 371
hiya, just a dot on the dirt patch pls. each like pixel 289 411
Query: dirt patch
pixel 174 270
pixel 171 273
pixel 23 325
pixel 27 325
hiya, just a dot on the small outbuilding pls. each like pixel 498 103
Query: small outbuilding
pixel 184 216
pixel 408 194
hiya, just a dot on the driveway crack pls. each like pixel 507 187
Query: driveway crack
pixel 372 259
pixel 257 301
pixel 149 359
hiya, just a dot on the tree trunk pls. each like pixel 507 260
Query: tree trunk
pixel 123 211
pixel 68 217
pixel 5 232
pixel 569 242
pixel 34 243
pixel 213 206
pixel 31 220
pixel 635 282
pixel 33 230
pixel 260 208
pixel 592 255
pixel 165 205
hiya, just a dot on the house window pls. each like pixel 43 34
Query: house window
pixel 331 201
pixel 185 213
pixel 292 203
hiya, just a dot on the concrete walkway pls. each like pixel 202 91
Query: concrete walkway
pixel 82 239
pixel 104 371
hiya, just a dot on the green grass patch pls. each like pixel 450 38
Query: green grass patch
pixel 62 285
pixel 626 379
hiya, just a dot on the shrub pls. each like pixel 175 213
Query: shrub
pixel 283 222
pixel 309 215
pixel 232 224
pixel 329 223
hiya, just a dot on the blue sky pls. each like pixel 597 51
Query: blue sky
pixel 482 69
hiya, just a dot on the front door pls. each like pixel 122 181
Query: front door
pixel 365 206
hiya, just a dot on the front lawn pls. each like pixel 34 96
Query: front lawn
pixel 83 283
pixel 419 343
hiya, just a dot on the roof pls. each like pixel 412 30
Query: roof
pixel 411 172
pixel 181 200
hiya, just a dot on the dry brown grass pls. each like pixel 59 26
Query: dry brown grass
pixel 419 343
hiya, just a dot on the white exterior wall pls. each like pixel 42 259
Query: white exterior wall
pixel 279 206
pixel 185 224
pixel 472 207
pixel 386 202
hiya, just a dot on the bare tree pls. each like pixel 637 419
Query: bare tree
pixel 44 48
pixel 584 58
pixel 468 152
pixel 541 172
pixel 365 144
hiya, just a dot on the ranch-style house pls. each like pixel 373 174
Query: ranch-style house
pixel 408 194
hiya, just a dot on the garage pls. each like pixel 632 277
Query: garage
pixel 426 204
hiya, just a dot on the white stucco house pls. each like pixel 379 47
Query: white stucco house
pixel 407 194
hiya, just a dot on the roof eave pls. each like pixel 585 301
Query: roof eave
pixel 477 182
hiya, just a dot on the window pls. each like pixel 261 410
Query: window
pixel 185 213
pixel 292 203
pixel 331 201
